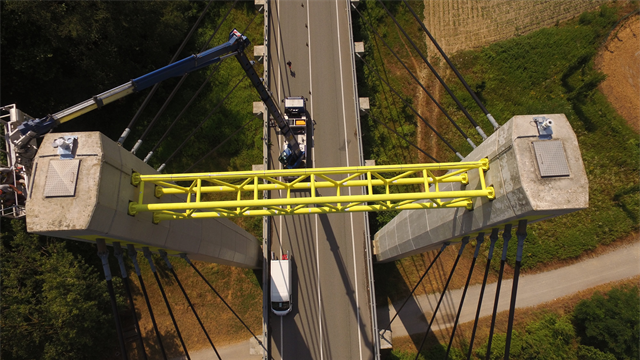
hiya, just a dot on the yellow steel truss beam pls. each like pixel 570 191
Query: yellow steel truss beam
pixel 384 185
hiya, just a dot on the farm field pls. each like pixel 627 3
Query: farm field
pixel 619 59
pixel 467 24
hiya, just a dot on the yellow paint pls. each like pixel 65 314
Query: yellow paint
pixel 390 180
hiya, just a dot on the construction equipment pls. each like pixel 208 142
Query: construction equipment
pixel 295 116
pixel 21 131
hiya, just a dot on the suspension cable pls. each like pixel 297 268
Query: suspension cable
pixel 418 284
pixel 127 130
pixel 138 143
pixel 184 256
pixel 166 133
pixel 433 70
pixel 493 237
pixel 375 71
pixel 147 254
pixel 521 234
pixel 184 109
pixel 446 58
pixel 416 79
pixel 506 236
pixel 133 254
pixel 404 138
pixel 200 125
pixel 117 252
pixel 479 241
pixel 205 82
pixel 103 253
pixel 219 145
pixel 465 241
pixel 166 260
pixel 177 87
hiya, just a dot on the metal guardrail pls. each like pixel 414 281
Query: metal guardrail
pixel 367 231
pixel 20 161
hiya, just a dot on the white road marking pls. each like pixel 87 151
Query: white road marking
pixel 346 146
pixel 279 47
pixel 313 159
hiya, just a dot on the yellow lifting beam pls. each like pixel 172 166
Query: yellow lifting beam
pixel 387 180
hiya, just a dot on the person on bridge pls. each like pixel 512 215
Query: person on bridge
pixel 8 175
pixel 289 64
pixel 7 196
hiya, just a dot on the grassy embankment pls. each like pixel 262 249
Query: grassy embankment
pixel 548 71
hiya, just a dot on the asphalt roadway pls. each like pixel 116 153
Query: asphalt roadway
pixel 332 316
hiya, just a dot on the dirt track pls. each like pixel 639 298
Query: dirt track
pixel 620 60
pixel 467 24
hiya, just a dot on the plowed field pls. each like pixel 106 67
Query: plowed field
pixel 466 24
pixel 620 60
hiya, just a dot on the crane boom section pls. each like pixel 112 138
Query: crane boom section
pixel 236 44
pixel 266 97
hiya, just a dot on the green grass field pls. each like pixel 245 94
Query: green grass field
pixel 548 71
pixel 552 71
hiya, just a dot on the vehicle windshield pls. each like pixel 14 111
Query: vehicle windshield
pixel 280 306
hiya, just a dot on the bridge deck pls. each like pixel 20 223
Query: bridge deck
pixel 332 317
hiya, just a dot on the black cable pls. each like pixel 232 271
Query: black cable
pixel 114 308
pixel 205 82
pixel 177 87
pixel 411 107
pixel 193 98
pixel 166 259
pixel 493 238
pixel 126 131
pixel 417 284
pixel 465 240
pixel 219 145
pixel 521 233
pixel 138 143
pixel 200 125
pixel 219 25
pixel 147 254
pixel 446 58
pixel 416 80
pixel 433 70
pixel 479 241
pixel 184 256
pixel 103 253
pixel 133 254
pixel 506 236
pixel 404 138
pixel 117 252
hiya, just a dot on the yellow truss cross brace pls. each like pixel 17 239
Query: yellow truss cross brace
pixel 386 180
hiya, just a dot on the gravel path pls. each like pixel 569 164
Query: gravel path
pixel 533 290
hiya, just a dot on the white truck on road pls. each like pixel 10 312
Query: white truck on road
pixel 281 301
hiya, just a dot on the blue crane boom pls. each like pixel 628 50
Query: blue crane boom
pixel 235 46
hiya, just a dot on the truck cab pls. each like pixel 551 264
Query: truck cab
pixel 281 302
pixel 295 116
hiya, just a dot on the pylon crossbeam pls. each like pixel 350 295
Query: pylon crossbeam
pixel 378 181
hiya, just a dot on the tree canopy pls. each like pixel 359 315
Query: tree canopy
pixel 610 322
pixel 54 305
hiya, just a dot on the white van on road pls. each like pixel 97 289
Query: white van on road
pixel 281 302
